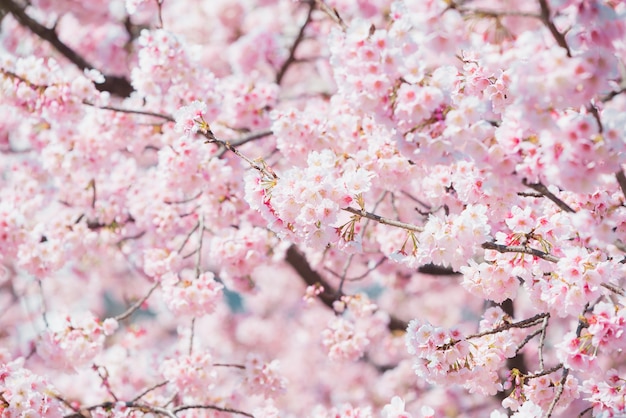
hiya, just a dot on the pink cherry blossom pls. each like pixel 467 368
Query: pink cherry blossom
pixel 329 208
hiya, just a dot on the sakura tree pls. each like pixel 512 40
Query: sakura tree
pixel 308 208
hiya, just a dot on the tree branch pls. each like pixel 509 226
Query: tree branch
pixel 136 305
pixel 547 20
pixel 292 51
pixel 541 188
pixel 621 180
pixel 559 392
pixel 132 111
pixel 118 86
pixel 385 221
pixel 215 408
pixel 300 264
pixel 519 249
pixel 332 13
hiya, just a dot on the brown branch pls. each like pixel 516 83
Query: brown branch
pixel 136 305
pixel 541 188
pixel 613 289
pixel 384 221
pixel 131 111
pixel 118 86
pixel 519 249
pixel 150 389
pixel 524 323
pixel 215 408
pixel 621 180
pixel 257 164
pixel 312 278
pixel 435 270
pixel 544 372
pixel 496 13
pixel 332 13
pixel 547 20
pixel 519 360
pixel 559 392
pixel 251 137
pixel 612 95
pixel 292 51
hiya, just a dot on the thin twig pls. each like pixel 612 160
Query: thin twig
pixel 148 390
pixel 541 341
pixel 237 366
pixel 525 323
pixel 519 249
pixel 257 165
pixel 527 340
pixel 497 13
pixel 151 408
pixel 292 51
pixel 613 289
pixel 621 180
pixel 44 315
pixel 312 278
pixel 559 391
pixel 180 202
pixel 360 276
pixel 200 228
pixel 250 137
pixel 332 13
pixel 186 240
pixel 191 335
pixel 213 407
pixel 385 221
pixel 136 305
pixel 544 372
pixel 344 273
pixel 105 380
pixel 132 111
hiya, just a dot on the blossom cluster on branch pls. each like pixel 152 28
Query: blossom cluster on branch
pixel 313 208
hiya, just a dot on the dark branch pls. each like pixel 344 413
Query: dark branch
pixel 292 51
pixel 332 13
pixel 118 86
pixel 300 264
pixel 621 180
pixel 519 249
pixel 547 20
pixel 541 188
pixel 435 270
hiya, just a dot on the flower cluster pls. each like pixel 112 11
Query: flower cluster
pixel 605 328
pixel 24 394
pixel 395 409
pixel 76 344
pixel 343 340
pixel 264 378
pixel 240 251
pixel 157 262
pixel 446 240
pixel 575 281
pixel 191 375
pixel 190 118
pixel 224 158
pixel 195 297
pixel 607 397
pixel 445 355
pixel 537 392
pixel 305 203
